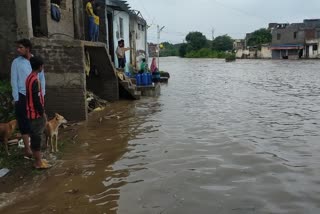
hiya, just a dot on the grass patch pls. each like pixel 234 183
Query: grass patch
pixel 6 106
pixel 62 144
pixel 15 160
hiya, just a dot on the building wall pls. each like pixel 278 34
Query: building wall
pixel 265 53
pixel 116 32
pixel 63 29
pixel 79 19
pixel 65 77
pixel 24 21
pixel 138 40
pixel 287 36
pixel 141 38
pixel 8 35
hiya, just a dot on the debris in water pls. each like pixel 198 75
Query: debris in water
pixel 95 103
pixel 72 191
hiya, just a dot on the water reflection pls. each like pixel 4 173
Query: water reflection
pixel 90 178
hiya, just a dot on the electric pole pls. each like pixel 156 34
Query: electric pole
pixel 212 38
pixel 159 31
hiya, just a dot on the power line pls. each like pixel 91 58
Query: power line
pixel 241 11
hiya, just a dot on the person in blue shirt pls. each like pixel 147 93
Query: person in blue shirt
pixel 20 70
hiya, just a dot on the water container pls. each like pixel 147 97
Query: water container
pixel 144 79
pixel 149 79
pixel 138 79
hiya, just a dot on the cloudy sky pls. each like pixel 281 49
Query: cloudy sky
pixel 232 17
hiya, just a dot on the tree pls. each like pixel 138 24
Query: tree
pixel 196 40
pixel 259 37
pixel 169 49
pixel 183 50
pixel 223 43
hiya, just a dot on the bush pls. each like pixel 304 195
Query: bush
pixel 206 53
pixel 6 106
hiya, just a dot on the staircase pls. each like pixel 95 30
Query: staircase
pixel 130 89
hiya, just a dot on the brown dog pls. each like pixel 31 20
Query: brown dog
pixel 6 130
pixel 51 130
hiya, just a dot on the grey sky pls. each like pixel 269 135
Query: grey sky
pixel 232 17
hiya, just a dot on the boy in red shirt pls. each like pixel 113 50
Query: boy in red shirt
pixel 35 111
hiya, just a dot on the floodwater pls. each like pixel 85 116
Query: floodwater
pixel 239 137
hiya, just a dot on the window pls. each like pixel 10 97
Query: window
pixel 315 47
pixel 295 35
pixel 142 27
pixel 139 26
pixel 278 36
pixel 121 27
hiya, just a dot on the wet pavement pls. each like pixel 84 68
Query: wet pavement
pixel 238 137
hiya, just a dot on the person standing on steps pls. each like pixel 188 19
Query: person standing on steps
pixel 121 54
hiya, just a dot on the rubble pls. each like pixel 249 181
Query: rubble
pixel 95 103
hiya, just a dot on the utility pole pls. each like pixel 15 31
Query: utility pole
pixel 212 38
pixel 159 31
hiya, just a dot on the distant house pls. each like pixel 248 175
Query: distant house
pixel 238 44
pixel 297 40
pixel 138 38
pixel 312 45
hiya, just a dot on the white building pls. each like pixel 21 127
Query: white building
pixel 138 38
pixel 312 48
pixel 118 27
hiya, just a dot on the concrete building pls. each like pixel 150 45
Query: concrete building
pixel 238 44
pixel 118 27
pixel 297 40
pixel 312 43
pixel 138 38
pixel 288 41
pixel 65 52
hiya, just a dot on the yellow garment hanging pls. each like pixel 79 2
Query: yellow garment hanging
pixel 87 66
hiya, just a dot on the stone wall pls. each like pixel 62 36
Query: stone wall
pixel 65 77
pixel 8 35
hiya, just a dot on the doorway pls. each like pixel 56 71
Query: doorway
pixel 36 23
pixel 110 35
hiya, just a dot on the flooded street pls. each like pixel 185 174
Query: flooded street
pixel 238 138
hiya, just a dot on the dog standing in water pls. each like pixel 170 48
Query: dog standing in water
pixel 6 130
pixel 52 129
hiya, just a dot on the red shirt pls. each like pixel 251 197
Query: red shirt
pixel 35 100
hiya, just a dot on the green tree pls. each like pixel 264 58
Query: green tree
pixel 223 43
pixel 259 37
pixel 169 49
pixel 183 50
pixel 196 41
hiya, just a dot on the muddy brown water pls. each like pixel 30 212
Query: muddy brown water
pixel 238 137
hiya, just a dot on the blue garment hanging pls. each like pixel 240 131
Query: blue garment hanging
pixel 55 12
